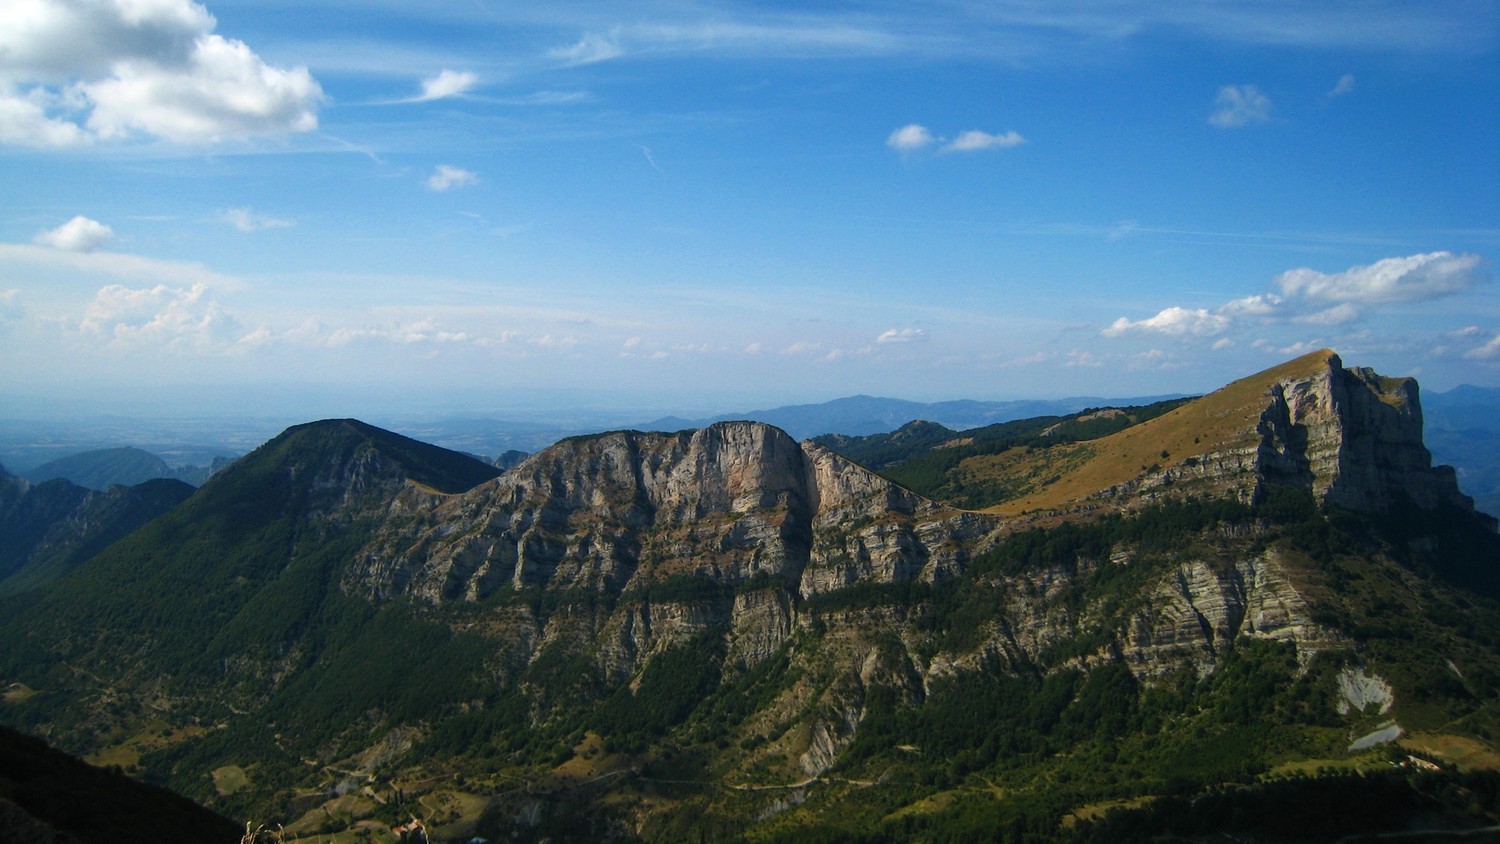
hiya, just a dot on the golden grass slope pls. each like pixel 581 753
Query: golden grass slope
pixel 1221 421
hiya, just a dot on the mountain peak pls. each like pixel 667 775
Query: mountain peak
pixel 1350 436
pixel 342 440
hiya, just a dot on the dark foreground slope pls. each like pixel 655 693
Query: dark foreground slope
pixel 727 634
pixel 48 796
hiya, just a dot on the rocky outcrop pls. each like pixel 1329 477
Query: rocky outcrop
pixel 1203 605
pixel 1359 691
pixel 1354 438
pixel 1351 437
pixel 734 502
pixel 736 526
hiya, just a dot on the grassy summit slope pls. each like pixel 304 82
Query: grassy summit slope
pixel 1221 421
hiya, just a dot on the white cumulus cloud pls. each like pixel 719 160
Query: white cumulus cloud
pixel 1488 351
pixel 76 71
pixel 79 234
pixel 447 84
pixel 10 306
pixel 24 122
pixel 974 140
pixel 1292 350
pixel 1081 357
pixel 1174 321
pixel 1311 297
pixel 422 331
pixel 1411 279
pixel 1259 305
pixel 911 137
pixel 1240 105
pixel 448 178
pixel 160 316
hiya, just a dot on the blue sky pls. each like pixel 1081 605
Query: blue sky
pixel 377 206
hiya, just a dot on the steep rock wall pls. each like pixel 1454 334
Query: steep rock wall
pixel 1350 436
pixel 626 510
pixel 1354 438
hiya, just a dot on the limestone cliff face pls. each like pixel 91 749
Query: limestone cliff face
pixel 1203 605
pixel 626 510
pixel 764 524
pixel 738 530
pixel 1355 438
pixel 870 530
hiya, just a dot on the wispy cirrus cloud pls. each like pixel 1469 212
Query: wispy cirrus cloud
pixel 590 48
pixel 746 34
pixel 1002 30
pixel 117 265
pixel 248 221
pixel 1343 87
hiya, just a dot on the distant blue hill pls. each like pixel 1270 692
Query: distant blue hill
pixel 1462 429
pixel 865 415
pixel 103 468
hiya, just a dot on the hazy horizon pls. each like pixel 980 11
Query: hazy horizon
pixel 330 208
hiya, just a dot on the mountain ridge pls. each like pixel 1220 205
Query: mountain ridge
pixel 49 528
pixel 656 635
